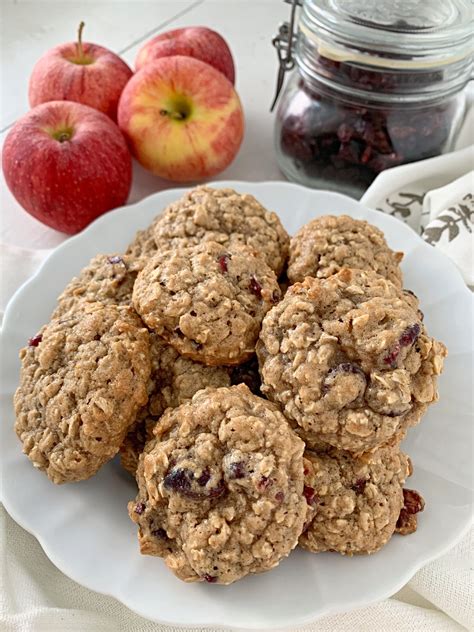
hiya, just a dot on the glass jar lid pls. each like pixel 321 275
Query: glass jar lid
pixel 395 33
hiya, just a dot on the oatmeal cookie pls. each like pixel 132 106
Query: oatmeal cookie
pixel 82 382
pixel 220 487
pixel 207 301
pixel 356 500
pixel 349 360
pixel 134 442
pixel 177 379
pixel 226 217
pixel 327 244
pixel 106 279
pixel 143 245
pixel 173 381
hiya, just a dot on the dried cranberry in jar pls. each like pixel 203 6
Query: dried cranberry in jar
pixel 371 90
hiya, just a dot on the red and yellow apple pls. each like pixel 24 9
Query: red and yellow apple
pixel 66 164
pixel 182 118
pixel 194 41
pixel 82 72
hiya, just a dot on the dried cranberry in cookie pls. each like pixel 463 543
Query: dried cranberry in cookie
pixel 349 360
pixel 356 501
pixel 106 279
pixel 80 389
pixel 173 381
pixel 208 312
pixel 413 503
pixel 35 340
pixel 329 243
pixel 220 488
pixel 226 217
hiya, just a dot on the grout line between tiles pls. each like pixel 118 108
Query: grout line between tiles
pixel 160 26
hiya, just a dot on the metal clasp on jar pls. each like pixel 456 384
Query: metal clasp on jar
pixel 284 42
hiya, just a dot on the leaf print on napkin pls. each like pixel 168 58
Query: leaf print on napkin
pixel 451 220
pixel 433 234
pixel 405 206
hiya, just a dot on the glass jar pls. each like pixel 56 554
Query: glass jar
pixel 377 84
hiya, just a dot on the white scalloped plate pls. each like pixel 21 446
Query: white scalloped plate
pixel 84 528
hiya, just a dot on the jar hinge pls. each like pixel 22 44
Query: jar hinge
pixel 284 42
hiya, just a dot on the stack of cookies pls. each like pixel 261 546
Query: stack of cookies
pixel 257 387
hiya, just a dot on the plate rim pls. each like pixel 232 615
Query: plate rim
pixel 105 217
pixel 330 610
pixel 377 593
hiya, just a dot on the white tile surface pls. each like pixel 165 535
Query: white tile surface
pixel 27 29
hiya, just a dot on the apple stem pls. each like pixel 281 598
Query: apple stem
pixel 177 116
pixel 80 52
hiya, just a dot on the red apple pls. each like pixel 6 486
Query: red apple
pixel 194 41
pixel 66 164
pixel 81 72
pixel 182 118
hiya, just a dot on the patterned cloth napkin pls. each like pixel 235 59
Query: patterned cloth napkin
pixel 435 197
